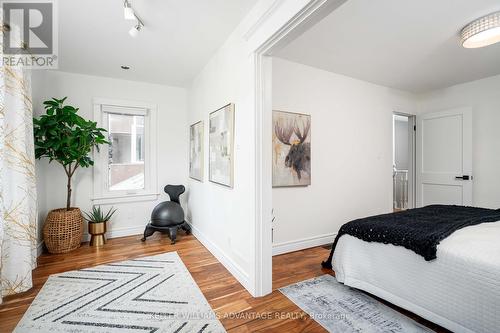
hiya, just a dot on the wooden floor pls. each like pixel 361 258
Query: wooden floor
pixel 239 311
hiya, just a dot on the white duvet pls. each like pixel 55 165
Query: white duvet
pixel 460 290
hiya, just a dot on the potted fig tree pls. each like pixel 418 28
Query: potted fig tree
pixel 63 136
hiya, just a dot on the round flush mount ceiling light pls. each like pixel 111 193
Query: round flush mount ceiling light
pixel 125 67
pixel 482 32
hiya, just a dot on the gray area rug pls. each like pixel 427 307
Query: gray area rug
pixel 339 308
pixel 149 294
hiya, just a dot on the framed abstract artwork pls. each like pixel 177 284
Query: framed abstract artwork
pixel 221 146
pixel 196 151
pixel 291 149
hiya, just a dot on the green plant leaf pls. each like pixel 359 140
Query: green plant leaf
pixel 62 135
pixel 97 215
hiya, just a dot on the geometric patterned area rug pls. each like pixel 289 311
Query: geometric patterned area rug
pixel 149 294
pixel 339 308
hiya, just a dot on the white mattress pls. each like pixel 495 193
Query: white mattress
pixel 460 290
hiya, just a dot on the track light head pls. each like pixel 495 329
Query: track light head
pixel 135 30
pixel 128 11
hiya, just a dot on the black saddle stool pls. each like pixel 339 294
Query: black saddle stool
pixel 168 216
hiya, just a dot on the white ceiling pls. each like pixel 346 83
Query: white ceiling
pixel 178 39
pixel 413 45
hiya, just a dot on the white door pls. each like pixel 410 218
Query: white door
pixel 444 158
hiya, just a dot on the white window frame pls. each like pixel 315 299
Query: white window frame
pixel 102 194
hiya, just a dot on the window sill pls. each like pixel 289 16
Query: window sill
pixel 108 200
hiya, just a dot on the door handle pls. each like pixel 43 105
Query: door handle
pixel 464 177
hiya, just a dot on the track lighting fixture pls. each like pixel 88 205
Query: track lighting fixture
pixel 130 14
pixel 128 11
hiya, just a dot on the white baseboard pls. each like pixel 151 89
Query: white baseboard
pixel 113 233
pixel 119 232
pixel 304 243
pixel 230 265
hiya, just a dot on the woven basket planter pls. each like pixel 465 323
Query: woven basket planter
pixel 63 230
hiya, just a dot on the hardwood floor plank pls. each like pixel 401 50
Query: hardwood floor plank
pixel 237 309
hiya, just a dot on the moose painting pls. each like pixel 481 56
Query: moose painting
pixel 291 149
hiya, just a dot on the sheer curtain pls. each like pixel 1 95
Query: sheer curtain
pixel 18 227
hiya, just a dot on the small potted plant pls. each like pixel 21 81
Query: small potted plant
pixel 63 136
pixel 97 220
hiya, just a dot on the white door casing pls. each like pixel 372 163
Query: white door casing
pixel 444 154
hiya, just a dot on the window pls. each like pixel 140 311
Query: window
pixel 125 170
pixel 126 152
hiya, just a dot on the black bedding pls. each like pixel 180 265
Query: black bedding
pixel 419 230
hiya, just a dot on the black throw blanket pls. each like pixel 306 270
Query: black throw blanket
pixel 419 230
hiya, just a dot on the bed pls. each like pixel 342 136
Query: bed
pixel 458 290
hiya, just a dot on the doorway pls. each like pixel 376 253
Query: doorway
pixel 403 165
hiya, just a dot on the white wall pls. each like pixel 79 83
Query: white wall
pixel 222 217
pixel 80 89
pixel 225 219
pixel 351 152
pixel 483 96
